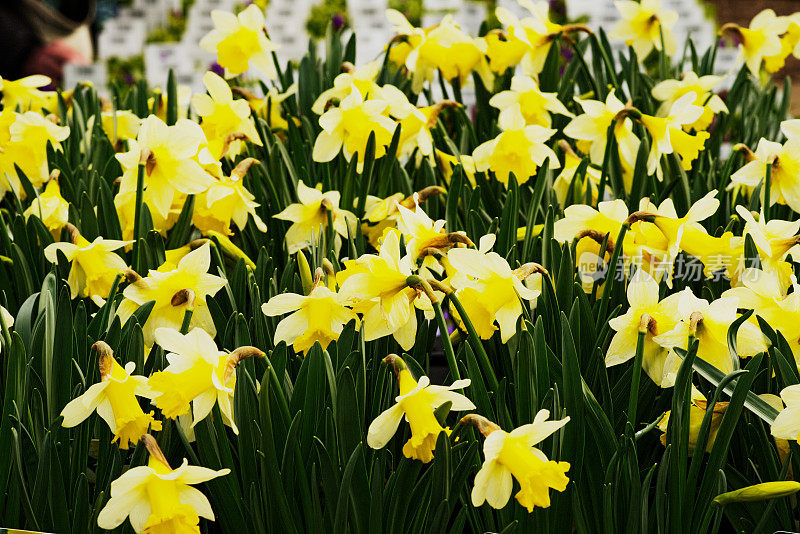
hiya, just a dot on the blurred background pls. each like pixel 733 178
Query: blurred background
pixel 126 41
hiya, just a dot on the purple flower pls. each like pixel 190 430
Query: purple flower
pixel 216 68
pixel 338 21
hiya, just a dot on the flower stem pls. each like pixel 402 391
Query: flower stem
pixel 637 374
pixel 421 284
pixel 475 341
pixel 137 218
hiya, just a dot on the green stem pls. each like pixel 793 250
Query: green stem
pixel 419 283
pixel 187 318
pixel 475 341
pixel 637 374
pixel 767 187
pixel 137 218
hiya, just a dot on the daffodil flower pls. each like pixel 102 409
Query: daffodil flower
pixel 668 135
pixel 362 78
pixel 416 402
pixel 774 239
pixel 591 129
pixel 184 288
pixel 240 42
pixel 377 286
pixel 643 26
pixel 709 322
pixel 309 217
pixel 785 176
pixel 269 107
pixel 118 124
pixel 760 40
pixel 170 155
pixel 646 314
pixel 114 399
pixel 198 373
pixel 318 317
pixel 347 128
pixel 26 93
pixel 513 455
pixel 562 183
pixel 536 31
pixel 697 412
pixel 407 37
pixel 790 45
pixel 95 265
pixel 50 207
pixel 23 143
pixel 519 149
pixel 489 289
pixel 227 201
pixel 787 423
pixel 526 99
pixel 447 49
pixel 157 498
pixel 447 164
pixel 421 232
pixel 226 122
pixel 669 91
pixel 504 50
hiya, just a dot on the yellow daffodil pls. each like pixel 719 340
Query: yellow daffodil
pixel 309 217
pixel 95 265
pixel 775 239
pixel 378 289
pixel 118 124
pixel 537 32
pixel 362 78
pixel 670 91
pixel 504 50
pixel 422 232
pixel 787 424
pixel 709 324
pixel 318 317
pixel 114 398
pixel 125 203
pixel 347 128
pixel 184 288
pixel 697 412
pixel 447 163
pixel 452 52
pixel 643 25
pixel 23 142
pixel 406 39
pixel 417 402
pixel 562 183
pixel 157 498
pixel 760 40
pixel 269 108
pixel 790 44
pixel 198 373
pixel 226 122
pixel 519 149
pixel 591 128
pixel 526 99
pixel 26 93
pixel 668 135
pixel 240 42
pixel 50 207
pixel 646 314
pixel 489 289
pixel 785 176
pixel 170 155
pixel 513 455
pixel 415 123
pixel 227 201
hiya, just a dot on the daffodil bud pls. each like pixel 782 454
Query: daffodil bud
pixel 305 272
pixel 759 492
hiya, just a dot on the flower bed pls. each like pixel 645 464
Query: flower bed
pixel 356 304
